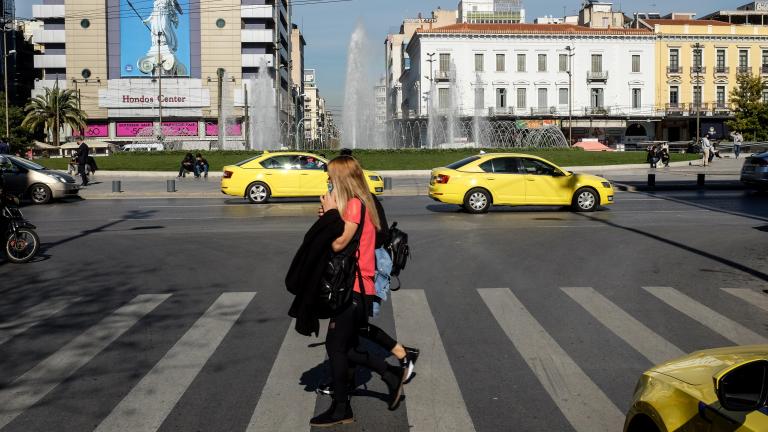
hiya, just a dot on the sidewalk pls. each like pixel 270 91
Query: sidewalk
pixel 723 173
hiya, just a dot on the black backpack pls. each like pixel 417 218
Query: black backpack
pixel 399 251
pixel 338 280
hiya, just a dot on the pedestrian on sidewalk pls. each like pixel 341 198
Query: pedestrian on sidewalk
pixel 706 148
pixel 187 165
pixel 201 166
pixel 664 154
pixel 82 161
pixel 737 140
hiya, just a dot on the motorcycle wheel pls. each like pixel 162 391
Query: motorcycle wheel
pixel 22 246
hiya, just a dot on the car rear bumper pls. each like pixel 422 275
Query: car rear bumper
pixel 755 177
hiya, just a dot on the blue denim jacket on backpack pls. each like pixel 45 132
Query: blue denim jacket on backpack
pixel 383 269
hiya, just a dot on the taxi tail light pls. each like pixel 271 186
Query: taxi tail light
pixel 227 174
pixel 442 179
pixel 760 162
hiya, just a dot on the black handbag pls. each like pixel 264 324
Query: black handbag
pixel 338 280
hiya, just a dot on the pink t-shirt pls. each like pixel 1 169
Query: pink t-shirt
pixel 367 258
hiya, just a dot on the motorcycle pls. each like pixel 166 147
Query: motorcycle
pixel 19 240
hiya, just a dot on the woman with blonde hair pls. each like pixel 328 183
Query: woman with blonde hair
pixel 348 193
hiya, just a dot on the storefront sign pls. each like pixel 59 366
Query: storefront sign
pixel 134 129
pixel 233 129
pixel 761 6
pixel 143 94
pixel 95 131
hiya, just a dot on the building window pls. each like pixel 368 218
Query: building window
pixel 501 98
pixel 765 96
pixel 563 62
pixel 501 61
pixel 85 23
pixel 674 60
pixel 522 98
pixel 444 98
pixel 697 58
pixel 597 62
pixel 543 98
pixel 479 98
pixel 720 96
pixel 606 22
pixel 220 23
pixel 596 98
pixel 542 62
pixel 478 62
pixel 562 96
pixel 674 96
pixel 765 62
pixel 720 60
pixel 697 96
pixel 743 60
pixel 86 73
pixel 635 63
pixel 637 99
pixel 521 62
pixel 445 62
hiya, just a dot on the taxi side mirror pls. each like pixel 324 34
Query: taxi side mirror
pixel 743 387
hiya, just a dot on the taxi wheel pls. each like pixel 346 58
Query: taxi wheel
pixel 258 193
pixel 586 200
pixel 40 193
pixel 477 201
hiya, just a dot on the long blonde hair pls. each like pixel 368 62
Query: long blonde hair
pixel 348 180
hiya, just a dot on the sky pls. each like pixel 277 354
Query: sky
pixel 328 26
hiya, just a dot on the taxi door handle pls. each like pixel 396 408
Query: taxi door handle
pixel 531 179
pixel 305 174
pixel 490 178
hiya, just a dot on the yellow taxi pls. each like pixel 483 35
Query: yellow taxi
pixel 478 182
pixel 282 175
pixel 718 390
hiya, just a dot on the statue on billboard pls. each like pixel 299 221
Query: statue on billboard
pixel 163 22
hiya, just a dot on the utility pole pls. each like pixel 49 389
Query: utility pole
pixel 570 93
pixel 57 134
pixel 5 78
pixel 697 50
pixel 246 120
pixel 431 62
pixel 220 103
pixel 159 88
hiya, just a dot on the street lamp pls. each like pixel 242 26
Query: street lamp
pixel 697 68
pixel 5 76
pixel 570 50
pixel 300 122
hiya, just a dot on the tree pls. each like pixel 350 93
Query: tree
pixel 750 111
pixel 50 111
pixel 20 137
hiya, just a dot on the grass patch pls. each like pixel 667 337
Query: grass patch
pixel 410 159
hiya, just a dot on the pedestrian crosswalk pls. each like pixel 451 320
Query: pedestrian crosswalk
pixel 435 399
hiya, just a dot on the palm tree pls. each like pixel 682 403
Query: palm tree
pixel 51 110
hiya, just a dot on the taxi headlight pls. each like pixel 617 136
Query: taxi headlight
pixel 607 185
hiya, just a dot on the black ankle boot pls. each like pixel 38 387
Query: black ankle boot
pixel 340 412
pixel 394 377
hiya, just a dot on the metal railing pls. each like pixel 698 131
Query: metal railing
pixel 597 110
pixel 495 111
pixel 698 70
pixel 674 108
pixel 722 70
pixel 674 70
pixel 442 75
pixel 701 107
pixel 597 76
pixel 744 70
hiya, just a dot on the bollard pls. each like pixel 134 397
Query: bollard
pixel 700 180
pixel 387 183
pixel 171 185
pixel 116 186
pixel 652 180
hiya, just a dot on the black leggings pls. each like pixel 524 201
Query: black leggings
pixel 342 344
pixel 379 336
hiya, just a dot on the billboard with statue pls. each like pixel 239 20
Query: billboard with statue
pixel 151 33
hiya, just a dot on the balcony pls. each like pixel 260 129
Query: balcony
pixel 257 35
pixel 545 111
pixel 701 108
pixel 43 11
pixel 697 71
pixel 50 61
pixel 257 11
pixel 722 109
pixel 442 76
pixel 722 70
pixel 674 108
pixel 498 112
pixel 42 36
pixel 597 76
pixel 597 111
pixel 256 60
pixel 744 70
pixel 674 70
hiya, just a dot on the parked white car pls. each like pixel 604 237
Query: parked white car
pixel 143 147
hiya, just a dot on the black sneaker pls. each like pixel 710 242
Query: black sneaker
pixel 409 362
pixel 394 378
pixel 326 389
pixel 338 413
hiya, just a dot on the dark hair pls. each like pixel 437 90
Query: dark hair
pixel 198 155
pixel 346 152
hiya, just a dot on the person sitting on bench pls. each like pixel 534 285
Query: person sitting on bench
pixel 187 165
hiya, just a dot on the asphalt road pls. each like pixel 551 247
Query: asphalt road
pixel 170 314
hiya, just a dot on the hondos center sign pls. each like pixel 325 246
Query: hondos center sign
pixel 143 93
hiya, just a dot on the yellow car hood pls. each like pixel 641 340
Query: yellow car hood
pixel 699 368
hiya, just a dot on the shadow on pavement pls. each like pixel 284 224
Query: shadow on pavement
pixel 752 205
